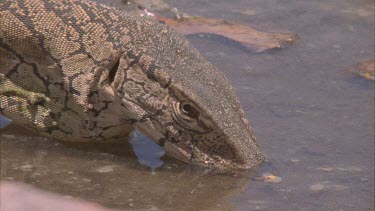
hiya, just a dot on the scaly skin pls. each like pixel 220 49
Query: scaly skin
pixel 79 71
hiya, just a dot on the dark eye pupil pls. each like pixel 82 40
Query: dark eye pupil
pixel 189 110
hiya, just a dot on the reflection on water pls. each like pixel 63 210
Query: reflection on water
pixel 147 151
pixel 111 175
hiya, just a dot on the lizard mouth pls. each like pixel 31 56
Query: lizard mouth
pixel 221 165
pixel 197 157
pixel 203 157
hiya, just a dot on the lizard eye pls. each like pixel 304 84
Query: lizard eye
pixel 189 110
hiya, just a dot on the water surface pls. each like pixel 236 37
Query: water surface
pixel 313 119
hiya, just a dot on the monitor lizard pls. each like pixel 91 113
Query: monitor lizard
pixel 76 70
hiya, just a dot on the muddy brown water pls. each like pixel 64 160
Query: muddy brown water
pixel 313 119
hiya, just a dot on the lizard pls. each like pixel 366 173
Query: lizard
pixel 76 70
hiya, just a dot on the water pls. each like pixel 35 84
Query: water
pixel 4 122
pixel 147 151
pixel 313 119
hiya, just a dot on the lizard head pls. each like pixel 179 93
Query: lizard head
pixel 182 102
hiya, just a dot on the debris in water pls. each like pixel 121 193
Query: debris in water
pixel 317 187
pixel 294 161
pixel 105 169
pixel 365 69
pixel 349 169
pixel 327 185
pixel 247 36
pixel 26 167
pixel 270 178
pixel 250 38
